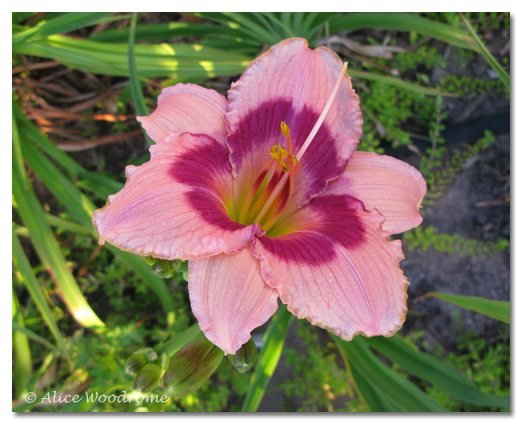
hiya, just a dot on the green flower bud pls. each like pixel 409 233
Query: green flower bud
pixel 139 359
pixel 135 363
pixel 245 357
pixel 192 366
pixel 148 377
pixel 149 353
pixel 184 270
pixel 166 269
pixel 150 261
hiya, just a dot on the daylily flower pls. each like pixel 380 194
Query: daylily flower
pixel 266 197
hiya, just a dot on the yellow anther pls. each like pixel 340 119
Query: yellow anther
pixel 275 152
pixel 284 165
pixel 295 159
pixel 285 129
pixel 283 152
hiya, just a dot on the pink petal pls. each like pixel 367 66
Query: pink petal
pixel 392 186
pixel 337 268
pixel 229 298
pixel 187 108
pixel 292 83
pixel 174 206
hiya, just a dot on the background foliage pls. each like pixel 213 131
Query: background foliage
pixel 80 310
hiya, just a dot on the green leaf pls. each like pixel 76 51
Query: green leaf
pixel 136 87
pixel 376 400
pixel 434 371
pixel 82 208
pixel 22 362
pixel 43 141
pixel 102 185
pixel 402 22
pixel 49 251
pixel 18 17
pixel 245 23
pixel 22 265
pixel 17 151
pixel 398 392
pixel 394 81
pixel 499 310
pixel 35 337
pixel 504 77
pixel 268 359
pixel 181 62
pixel 164 31
pixel 61 25
pixel 76 202
pixel 156 284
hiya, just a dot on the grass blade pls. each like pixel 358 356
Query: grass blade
pixel 434 371
pixel 287 29
pixel 18 17
pixel 402 393
pixel 376 401
pixel 102 185
pixel 23 364
pixel 180 62
pixel 503 76
pixel 268 359
pixel 163 31
pixel 156 284
pixel 499 310
pixel 399 83
pixel 35 337
pixel 243 23
pixel 31 283
pixel 49 251
pixel 67 225
pixel 136 87
pixel 61 25
pixel 403 22
pixel 79 205
pixel 82 208
pixel 17 150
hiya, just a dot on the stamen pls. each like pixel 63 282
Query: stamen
pixel 271 199
pixel 278 152
pixel 283 152
pixel 289 191
pixel 283 179
pixel 286 133
pixel 275 152
pixel 265 195
pixel 285 129
pixel 325 111
pixel 284 165
pixel 261 182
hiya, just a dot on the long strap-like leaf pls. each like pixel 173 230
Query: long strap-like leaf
pixel 48 250
pixel 496 309
pixel 23 266
pixel 435 371
pixel 81 207
pixel 403 22
pixel 397 392
pixel 503 76
pixel 268 359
